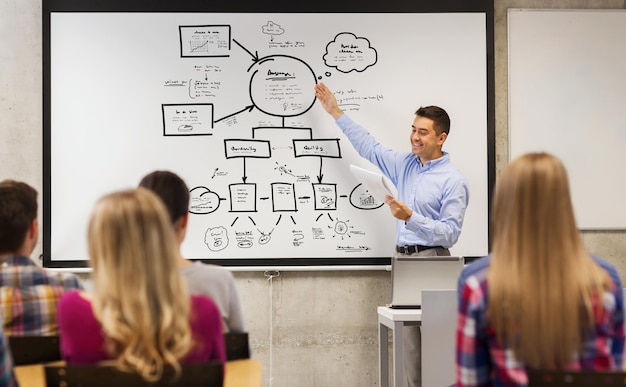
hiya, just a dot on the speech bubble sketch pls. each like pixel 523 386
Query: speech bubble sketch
pixel 216 238
pixel 203 201
pixel 271 28
pixel 350 53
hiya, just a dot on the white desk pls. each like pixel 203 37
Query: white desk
pixel 394 319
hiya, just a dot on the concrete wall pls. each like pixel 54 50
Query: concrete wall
pixel 309 328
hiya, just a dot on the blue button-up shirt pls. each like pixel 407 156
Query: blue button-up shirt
pixel 436 192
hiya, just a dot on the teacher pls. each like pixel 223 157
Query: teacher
pixel 432 194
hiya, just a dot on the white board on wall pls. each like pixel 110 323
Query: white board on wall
pixel 567 95
pixel 276 176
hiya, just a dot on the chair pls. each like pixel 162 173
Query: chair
pixel 34 349
pixel 237 346
pixel 209 374
pixel 439 317
pixel 545 378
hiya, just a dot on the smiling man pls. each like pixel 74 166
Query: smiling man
pixel 432 193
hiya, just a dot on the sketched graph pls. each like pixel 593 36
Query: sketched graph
pixel 199 46
pixel 204 40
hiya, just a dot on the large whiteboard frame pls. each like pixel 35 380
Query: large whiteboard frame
pixel 567 88
pixel 476 219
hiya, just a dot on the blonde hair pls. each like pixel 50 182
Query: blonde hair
pixel 541 279
pixel 139 299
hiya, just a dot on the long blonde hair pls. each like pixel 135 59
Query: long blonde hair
pixel 541 279
pixel 139 299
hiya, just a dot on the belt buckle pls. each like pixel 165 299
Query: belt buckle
pixel 406 249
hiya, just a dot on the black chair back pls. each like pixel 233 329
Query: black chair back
pixel 34 349
pixel 543 378
pixel 237 346
pixel 210 374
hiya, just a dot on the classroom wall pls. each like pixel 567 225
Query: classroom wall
pixel 322 325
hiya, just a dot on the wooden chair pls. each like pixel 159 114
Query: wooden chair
pixel 237 346
pixel 34 349
pixel 209 374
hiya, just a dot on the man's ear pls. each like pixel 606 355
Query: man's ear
pixel 442 138
pixel 30 240
pixel 184 220
pixel 33 230
pixel 181 223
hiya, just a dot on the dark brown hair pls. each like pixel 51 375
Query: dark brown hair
pixel 18 209
pixel 441 120
pixel 171 189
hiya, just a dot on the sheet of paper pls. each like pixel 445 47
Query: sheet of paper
pixel 374 182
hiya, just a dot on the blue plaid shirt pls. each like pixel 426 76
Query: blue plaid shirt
pixel 481 360
pixel 7 376
pixel 29 296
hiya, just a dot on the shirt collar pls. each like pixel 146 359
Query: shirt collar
pixel 432 163
pixel 16 260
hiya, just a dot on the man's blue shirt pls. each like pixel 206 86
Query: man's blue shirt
pixel 436 192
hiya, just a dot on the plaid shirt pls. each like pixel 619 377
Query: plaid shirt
pixel 481 360
pixel 7 376
pixel 29 296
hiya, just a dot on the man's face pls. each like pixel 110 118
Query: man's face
pixel 425 142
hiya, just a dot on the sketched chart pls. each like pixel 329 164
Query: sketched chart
pixel 204 41
pixel 226 100
pixel 199 45
pixel 279 87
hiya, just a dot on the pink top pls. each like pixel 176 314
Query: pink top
pixel 82 339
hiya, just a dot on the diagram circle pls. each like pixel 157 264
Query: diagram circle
pixel 282 86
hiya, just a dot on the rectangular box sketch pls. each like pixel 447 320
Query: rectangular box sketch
pixel 187 119
pixel 204 41
pixel 317 147
pixel 242 197
pixel 247 148
pixel 283 197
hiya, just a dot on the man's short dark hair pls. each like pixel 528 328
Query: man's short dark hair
pixel 171 189
pixel 18 209
pixel 441 120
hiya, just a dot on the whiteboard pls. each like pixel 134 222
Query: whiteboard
pixel 567 88
pixel 226 101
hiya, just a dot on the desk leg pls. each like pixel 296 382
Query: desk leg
pixel 398 354
pixel 383 355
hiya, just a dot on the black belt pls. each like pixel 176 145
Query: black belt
pixel 413 249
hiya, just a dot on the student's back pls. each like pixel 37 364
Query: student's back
pixel 28 293
pixel 83 341
pixel 209 280
pixel 539 301
pixel 140 314
pixel 218 283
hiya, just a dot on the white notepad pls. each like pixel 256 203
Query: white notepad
pixel 375 183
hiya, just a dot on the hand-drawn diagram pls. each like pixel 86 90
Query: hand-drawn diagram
pixel 280 86
pixel 226 101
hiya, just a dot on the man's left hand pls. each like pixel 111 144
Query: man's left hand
pixel 398 209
